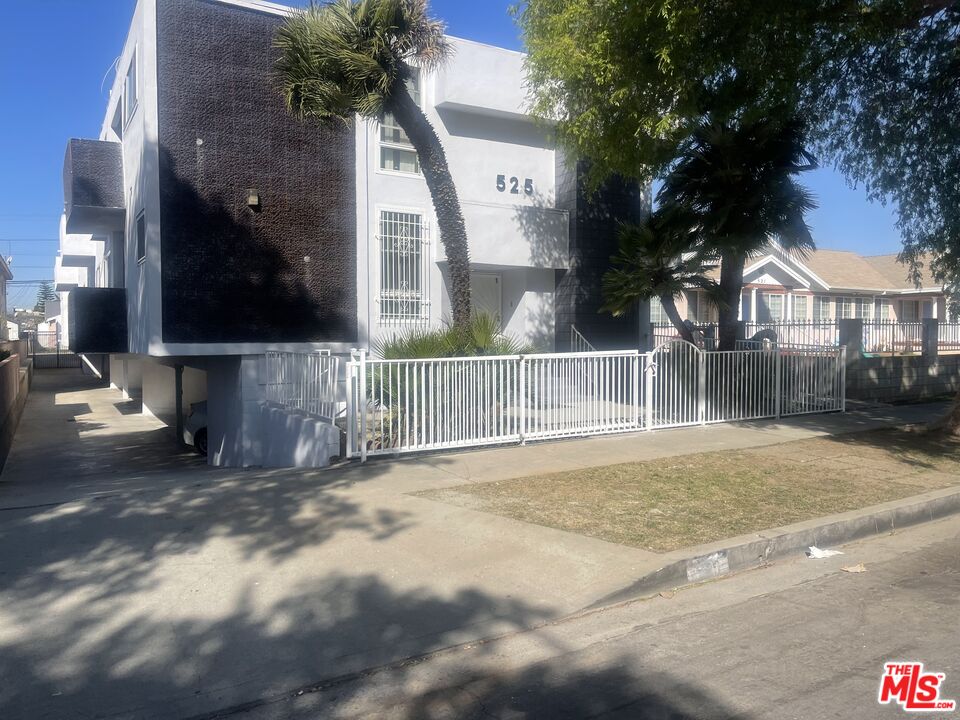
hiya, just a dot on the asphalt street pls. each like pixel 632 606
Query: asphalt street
pixel 800 640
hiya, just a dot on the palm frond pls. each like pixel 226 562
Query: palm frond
pixel 344 57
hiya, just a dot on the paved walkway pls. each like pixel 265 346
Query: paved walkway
pixel 135 582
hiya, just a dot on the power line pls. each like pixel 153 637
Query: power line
pixel 30 240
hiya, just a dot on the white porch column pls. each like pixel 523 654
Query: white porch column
pixel 935 303
pixel 788 308
pixel 753 304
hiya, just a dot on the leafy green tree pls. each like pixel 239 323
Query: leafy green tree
pixel 355 57
pixel 878 80
pixel 654 260
pixel 735 187
pixel 45 294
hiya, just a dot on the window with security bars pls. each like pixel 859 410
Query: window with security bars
pixel 396 150
pixel 403 296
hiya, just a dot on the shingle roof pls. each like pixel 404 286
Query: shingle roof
pixel 844 269
pixel 896 272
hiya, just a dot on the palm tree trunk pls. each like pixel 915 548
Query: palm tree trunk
pixel 446 204
pixel 670 308
pixel 731 288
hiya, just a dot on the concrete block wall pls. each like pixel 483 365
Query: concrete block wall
pixel 909 377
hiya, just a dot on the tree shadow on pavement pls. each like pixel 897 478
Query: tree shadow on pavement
pixel 615 689
pixel 164 663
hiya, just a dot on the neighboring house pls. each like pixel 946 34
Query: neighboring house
pixel 5 275
pixel 825 285
pixel 13 331
pixel 206 226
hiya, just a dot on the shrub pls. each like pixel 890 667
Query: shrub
pixel 482 336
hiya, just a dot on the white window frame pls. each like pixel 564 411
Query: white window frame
pixel 133 71
pixel 918 308
pixel 883 309
pixel 763 304
pixel 405 147
pixel 658 316
pixel 805 299
pixel 821 303
pixel 425 261
pixel 863 307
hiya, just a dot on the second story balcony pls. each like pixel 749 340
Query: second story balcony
pixel 93 186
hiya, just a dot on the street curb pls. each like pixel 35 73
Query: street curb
pixel 714 560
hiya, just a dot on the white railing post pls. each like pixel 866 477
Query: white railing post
pixel 778 381
pixel 351 409
pixel 522 398
pixel 635 399
pixel 701 387
pixel 362 404
pixel 648 370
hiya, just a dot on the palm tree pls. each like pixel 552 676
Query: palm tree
pixel 658 259
pixel 354 57
pixel 736 183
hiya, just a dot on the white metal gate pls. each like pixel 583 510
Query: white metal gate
pixel 408 405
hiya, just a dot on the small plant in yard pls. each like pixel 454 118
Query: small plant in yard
pixel 392 390
pixel 482 336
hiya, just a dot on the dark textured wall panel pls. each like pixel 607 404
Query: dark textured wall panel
pixel 93 174
pixel 97 320
pixel 593 240
pixel 229 273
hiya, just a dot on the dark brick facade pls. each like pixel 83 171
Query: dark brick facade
pixel 286 270
pixel 593 240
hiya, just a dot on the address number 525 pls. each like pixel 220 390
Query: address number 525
pixel 514 185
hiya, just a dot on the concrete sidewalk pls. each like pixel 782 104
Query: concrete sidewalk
pixel 135 582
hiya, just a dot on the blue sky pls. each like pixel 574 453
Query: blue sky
pixel 57 88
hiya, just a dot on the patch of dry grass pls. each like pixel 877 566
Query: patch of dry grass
pixel 666 504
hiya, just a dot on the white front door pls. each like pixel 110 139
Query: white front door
pixel 485 296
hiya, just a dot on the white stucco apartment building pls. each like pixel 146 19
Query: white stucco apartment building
pixel 204 226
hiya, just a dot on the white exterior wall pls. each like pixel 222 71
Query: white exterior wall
pixel 140 182
pixel 485 133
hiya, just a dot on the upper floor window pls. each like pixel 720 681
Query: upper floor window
pixel 131 89
pixel 403 268
pixel 396 150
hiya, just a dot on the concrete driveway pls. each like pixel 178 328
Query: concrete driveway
pixel 137 582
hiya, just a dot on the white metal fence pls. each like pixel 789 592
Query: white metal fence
pixel 399 406
pixel 306 382
pixel 884 336
pixel 949 336
pixel 820 333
